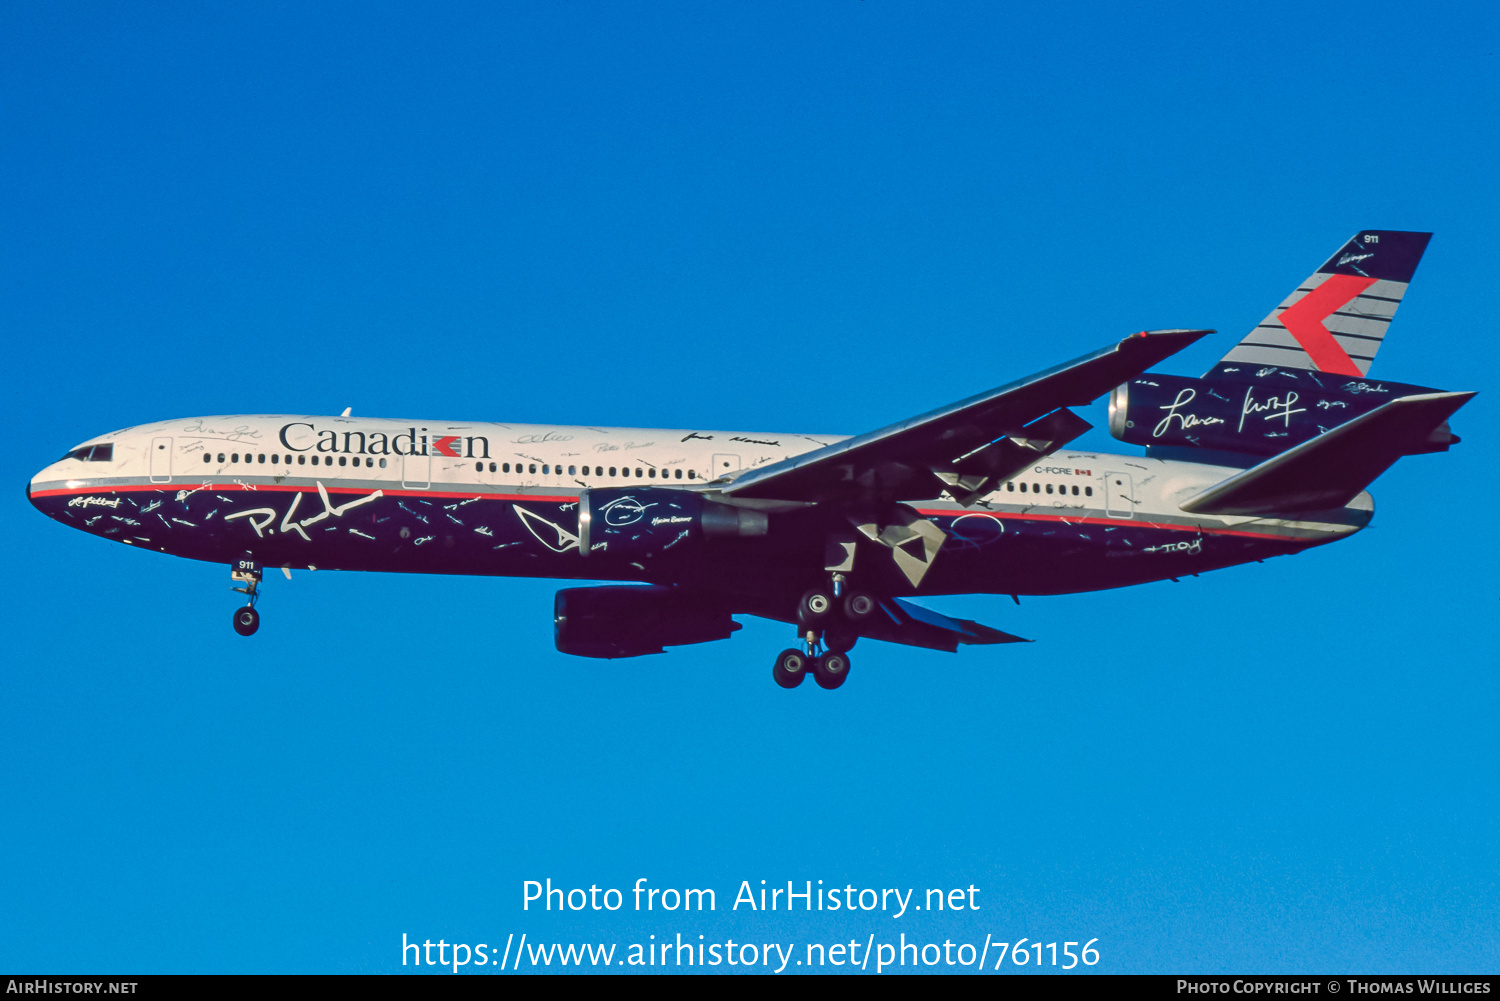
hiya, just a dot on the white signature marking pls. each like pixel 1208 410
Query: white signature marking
pixel 110 502
pixel 1176 547
pixel 565 540
pixel 261 517
pixel 1275 404
pixel 1184 421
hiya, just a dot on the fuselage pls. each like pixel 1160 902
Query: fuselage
pixel 354 493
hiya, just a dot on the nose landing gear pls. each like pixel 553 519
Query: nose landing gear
pixel 246 620
pixel 247 572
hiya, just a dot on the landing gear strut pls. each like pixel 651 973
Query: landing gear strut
pixel 247 572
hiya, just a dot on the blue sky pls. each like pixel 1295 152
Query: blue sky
pixel 819 217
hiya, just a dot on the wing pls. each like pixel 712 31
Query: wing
pixel 895 620
pixel 962 449
pixel 899 621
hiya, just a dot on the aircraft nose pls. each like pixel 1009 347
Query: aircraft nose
pixel 37 499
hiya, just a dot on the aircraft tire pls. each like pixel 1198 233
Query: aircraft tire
pixel 831 670
pixel 246 620
pixel 790 668
pixel 813 607
pixel 839 638
pixel 858 606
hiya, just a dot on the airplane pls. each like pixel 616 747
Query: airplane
pixel 1267 454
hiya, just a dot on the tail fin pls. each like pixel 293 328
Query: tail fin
pixel 1330 470
pixel 1336 319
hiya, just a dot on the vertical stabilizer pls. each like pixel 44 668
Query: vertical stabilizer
pixel 1335 321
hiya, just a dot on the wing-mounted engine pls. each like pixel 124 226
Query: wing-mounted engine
pixel 632 620
pixel 637 522
pixel 1268 411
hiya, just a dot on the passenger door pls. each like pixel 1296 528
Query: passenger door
pixel 416 472
pixel 161 460
pixel 724 465
pixel 1119 495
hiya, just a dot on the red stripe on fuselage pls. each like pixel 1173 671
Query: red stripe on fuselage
pixel 287 488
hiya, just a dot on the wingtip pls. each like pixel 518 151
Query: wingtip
pixel 1176 332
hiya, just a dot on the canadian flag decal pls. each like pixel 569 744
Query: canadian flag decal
pixel 444 445
pixel 1304 321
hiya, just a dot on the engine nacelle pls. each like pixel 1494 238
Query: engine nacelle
pixel 1258 417
pixel 647 521
pixel 629 620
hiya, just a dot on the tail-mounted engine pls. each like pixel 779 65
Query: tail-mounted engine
pixel 648 521
pixel 1255 416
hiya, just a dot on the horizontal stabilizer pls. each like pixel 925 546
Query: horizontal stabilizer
pixel 898 621
pixel 1329 471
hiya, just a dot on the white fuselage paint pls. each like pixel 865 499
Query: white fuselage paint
pixel 411 455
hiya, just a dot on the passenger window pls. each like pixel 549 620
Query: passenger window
pixel 1010 486
pixel 301 460
pixel 382 463
pixel 1075 490
pixel 677 475
pixel 652 474
pixel 533 467
pixel 1049 488
pixel 611 470
pixel 275 459
pixel 234 457
pixel 571 470
pixel 261 457
pixel 492 467
pixel 505 468
pixel 1088 491
pixel 207 457
pixel 692 474
pixel 546 471
pixel 1023 488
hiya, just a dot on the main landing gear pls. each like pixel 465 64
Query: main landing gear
pixel 828 621
pixel 247 572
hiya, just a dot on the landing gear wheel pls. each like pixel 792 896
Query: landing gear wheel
pixel 839 639
pixel 246 620
pixel 790 668
pixel 831 670
pixel 858 606
pixel 813 607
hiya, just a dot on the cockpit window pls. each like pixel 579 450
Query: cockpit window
pixel 93 453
